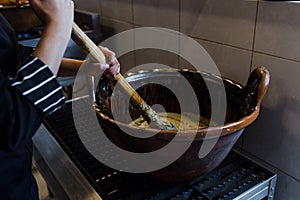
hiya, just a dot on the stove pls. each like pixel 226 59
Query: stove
pixel 237 177
pixel 89 22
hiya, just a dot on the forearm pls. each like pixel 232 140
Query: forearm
pixel 52 46
pixel 69 67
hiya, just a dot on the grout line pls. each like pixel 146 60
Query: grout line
pixel 249 50
pixel 116 20
pixel 228 45
pixel 134 52
pixel 263 162
pixel 220 43
pixel 179 30
pixel 275 56
pixel 179 15
pixel 100 8
pixel 132 11
pixel 134 26
pixel 208 40
pixel 254 35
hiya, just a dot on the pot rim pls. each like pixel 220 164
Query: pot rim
pixel 210 132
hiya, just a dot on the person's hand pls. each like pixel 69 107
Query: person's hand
pixel 58 12
pixel 112 67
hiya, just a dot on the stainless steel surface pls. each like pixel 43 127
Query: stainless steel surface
pixel 68 182
pixel 263 190
pixel 63 177
pixel 272 188
pixel 258 192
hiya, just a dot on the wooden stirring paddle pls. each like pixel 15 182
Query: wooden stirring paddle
pixel 89 47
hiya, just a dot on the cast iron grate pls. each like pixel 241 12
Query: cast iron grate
pixel 231 178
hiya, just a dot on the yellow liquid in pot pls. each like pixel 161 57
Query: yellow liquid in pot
pixel 184 121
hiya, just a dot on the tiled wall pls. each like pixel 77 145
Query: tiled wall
pixel 239 35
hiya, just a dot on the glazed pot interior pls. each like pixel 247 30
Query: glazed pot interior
pixel 154 88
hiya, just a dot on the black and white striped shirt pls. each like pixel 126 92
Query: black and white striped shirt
pixel 24 101
pixel 36 83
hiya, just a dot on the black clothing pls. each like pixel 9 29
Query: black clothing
pixel 9 51
pixel 24 101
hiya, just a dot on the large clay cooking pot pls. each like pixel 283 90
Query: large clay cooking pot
pixel 243 105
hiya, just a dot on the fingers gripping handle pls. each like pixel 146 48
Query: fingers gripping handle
pixel 88 46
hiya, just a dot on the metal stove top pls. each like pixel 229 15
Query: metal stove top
pixel 237 177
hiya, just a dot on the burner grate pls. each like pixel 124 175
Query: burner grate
pixel 234 176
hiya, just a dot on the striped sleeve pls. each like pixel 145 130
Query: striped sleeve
pixel 36 82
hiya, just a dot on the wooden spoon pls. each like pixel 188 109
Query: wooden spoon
pixel 88 46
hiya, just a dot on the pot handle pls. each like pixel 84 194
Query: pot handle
pixel 256 87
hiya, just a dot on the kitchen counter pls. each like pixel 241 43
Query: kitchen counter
pixel 64 179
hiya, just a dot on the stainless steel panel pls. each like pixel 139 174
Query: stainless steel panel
pixel 63 177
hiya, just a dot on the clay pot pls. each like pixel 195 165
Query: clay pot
pixel 242 108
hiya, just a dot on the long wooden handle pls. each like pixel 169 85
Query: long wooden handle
pixel 89 47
